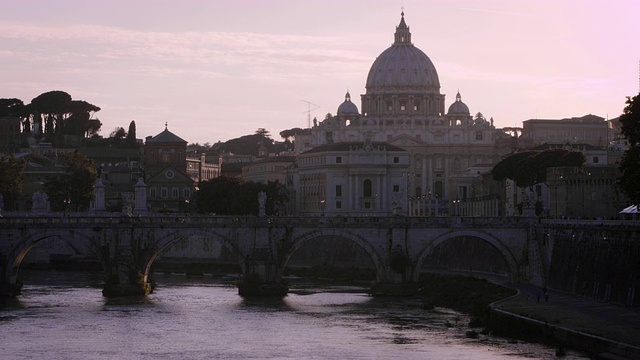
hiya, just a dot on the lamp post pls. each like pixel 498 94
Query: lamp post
pixel 67 206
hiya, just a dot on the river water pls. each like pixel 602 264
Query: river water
pixel 64 316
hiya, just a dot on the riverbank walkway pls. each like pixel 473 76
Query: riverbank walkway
pixel 614 322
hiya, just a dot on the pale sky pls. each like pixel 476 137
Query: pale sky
pixel 216 70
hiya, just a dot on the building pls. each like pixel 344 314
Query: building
pixel 202 167
pixel 356 178
pixel 588 129
pixel 268 169
pixel 588 192
pixel 404 108
pixel 169 186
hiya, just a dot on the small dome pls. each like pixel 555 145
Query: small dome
pixel 458 107
pixel 347 107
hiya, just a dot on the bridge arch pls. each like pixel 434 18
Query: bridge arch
pixel 512 261
pixel 34 237
pixel 166 240
pixel 298 241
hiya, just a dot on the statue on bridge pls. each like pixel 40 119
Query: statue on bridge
pixel 39 202
pixel 262 199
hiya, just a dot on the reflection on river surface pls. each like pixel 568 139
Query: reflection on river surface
pixel 64 316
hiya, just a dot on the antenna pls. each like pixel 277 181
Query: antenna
pixel 308 112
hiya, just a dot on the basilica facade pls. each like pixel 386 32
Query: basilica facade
pixel 447 148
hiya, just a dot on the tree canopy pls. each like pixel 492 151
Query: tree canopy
pixel 232 196
pixel 630 163
pixel 292 133
pixel 73 189
pixel 11 176
pixel 528 168
pixel 53 114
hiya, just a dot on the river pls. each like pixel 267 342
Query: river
pixel 62 315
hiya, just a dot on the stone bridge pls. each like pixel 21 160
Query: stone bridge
pixel 128 246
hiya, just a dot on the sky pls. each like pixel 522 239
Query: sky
pixel 217 70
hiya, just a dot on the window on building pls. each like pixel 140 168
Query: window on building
pixel 462 192
pixel 415 107
pixel 396 159
pixel 164 193
pixel 478 135
pixel 439 188
pixel 175 193
pixel 338 204
pixel 367 188
pixel 596 159
pixel 338 159
pixel 402 107
pixel 152 193
pixel 186 192
pixel 396 188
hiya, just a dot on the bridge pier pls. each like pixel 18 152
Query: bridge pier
pixel 9 290
pixel 395 281
pixel 125 266
pixel 261 277
pixel 125 281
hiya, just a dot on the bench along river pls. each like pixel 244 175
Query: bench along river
pixel 64 316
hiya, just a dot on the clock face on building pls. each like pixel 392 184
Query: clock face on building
pixel 169 174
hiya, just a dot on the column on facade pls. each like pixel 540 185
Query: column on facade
pixel 410 104
pixel 384 198
pixel 395 105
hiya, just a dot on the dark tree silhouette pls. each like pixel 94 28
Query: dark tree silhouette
pixel 8 106
pixel 51 107
pixel 79 121
pixel 118 134
pixel 131 135
pixel 11 176
pixel 528 168
pixel 73 189
pixel 232 196
pixel 630 163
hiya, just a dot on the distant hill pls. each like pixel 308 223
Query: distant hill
pixel 244 145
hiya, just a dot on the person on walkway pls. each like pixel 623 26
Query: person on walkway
pixel 546 294
pixel 538 296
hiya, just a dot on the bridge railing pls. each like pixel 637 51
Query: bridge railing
pixel 249 221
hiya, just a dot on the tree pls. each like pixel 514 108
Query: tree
pixel 118 134
pixel 79 122
pixel 232 196
pixel 73 189
pixel 131 135
pixel 292 133
pixel 263 133
pixel 630 163
pixel 528 168
pixel 7 106
pixel 11 176
pixel 50 107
